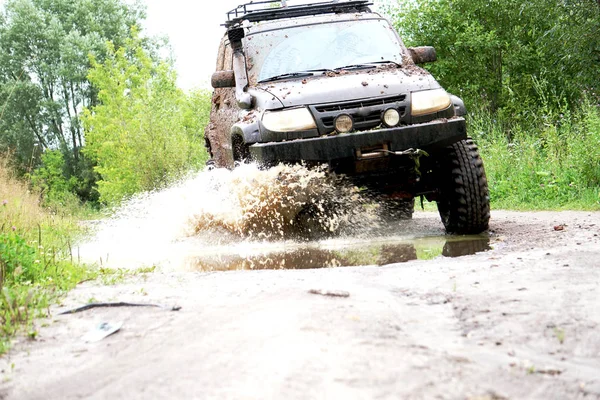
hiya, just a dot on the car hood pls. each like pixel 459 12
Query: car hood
pixel 346 86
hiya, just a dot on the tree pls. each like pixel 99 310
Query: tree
pixel 509 53
pixel 144 132
pixel 44 48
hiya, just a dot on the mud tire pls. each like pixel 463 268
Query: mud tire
pixel 463 201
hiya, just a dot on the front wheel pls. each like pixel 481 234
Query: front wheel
pixel 463 201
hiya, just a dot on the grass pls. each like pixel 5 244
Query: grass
pixel 36 259
pixel 550 163
pixel 113 276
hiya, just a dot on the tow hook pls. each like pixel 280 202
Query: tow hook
pixel 415 155
pixel 412 153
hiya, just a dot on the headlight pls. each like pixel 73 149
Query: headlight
pixel 391 117
pixel 296 119
pixel 343 123
pixel 429 101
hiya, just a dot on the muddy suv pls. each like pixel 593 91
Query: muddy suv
pixel 333 83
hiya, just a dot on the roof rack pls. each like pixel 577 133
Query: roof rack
pixel 255 11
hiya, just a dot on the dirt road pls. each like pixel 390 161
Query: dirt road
pixel 519 321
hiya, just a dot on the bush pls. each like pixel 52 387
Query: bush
pixel 585 149
pixel 35 256
pixel 493 52
pixel 553 163
pixel 56 187
pixel 146 132
pixel 17 259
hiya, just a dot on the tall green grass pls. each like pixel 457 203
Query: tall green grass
pixel 551 161
pixel 37 263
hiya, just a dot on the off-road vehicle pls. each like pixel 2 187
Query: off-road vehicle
pixel 332 82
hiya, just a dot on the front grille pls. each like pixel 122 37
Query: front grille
pixel 371 118
pixel 366 113
pixel 360 103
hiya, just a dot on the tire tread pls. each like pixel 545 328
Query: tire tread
pixel 466 206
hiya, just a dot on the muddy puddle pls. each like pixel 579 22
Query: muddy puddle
pixel 331 254
pixel 247 219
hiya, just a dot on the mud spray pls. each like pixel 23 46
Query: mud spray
pixel 248 218
pixel 222 213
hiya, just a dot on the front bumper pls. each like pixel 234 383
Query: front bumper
pixel 427 136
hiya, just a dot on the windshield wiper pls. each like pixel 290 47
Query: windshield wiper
pixel 356 66
pixel 288 75
pixel 311 72
pixel 397 64
pixel 323 70
pixel 372 64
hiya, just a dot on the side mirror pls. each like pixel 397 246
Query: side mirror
pixel 223 79
pixel 422 54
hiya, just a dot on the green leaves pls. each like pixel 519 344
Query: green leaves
pixel 36 258
pixel 490 52
pixel 145 132
pixel 17 258
pixel 44 62
pixel 550 166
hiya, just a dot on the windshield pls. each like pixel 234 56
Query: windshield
pixel 323 46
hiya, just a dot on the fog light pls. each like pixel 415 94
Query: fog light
pixel 344 123
pixel 391 117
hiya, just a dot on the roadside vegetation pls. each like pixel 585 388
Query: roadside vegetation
pixel 554 164
pixel 529 73
pixel 38 261
pixel 145 132
pixel 90 114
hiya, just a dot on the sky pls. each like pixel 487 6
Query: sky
pixel 194 31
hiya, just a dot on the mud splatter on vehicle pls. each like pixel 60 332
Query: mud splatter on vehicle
pixel 332 83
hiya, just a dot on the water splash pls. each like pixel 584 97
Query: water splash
pixel 247 208
pixel 282 202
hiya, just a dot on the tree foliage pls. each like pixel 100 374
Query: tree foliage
pixel 530 73
pixel 145 132
pixel 509 53
pixel 44 48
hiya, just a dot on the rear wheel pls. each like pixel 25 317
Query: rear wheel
pixel 463 201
